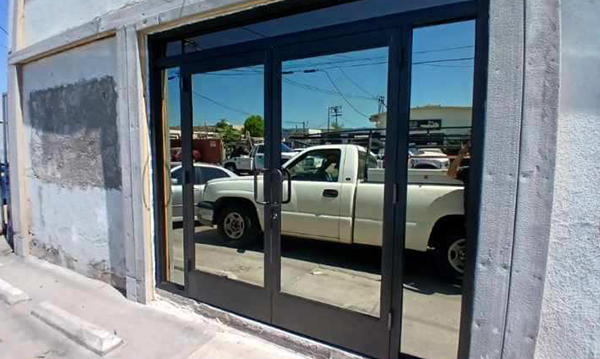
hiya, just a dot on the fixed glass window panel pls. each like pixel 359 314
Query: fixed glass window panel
pixel 439 132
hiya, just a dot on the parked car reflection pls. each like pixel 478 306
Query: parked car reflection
pixel 203 172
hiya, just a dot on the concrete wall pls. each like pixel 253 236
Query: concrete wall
pixel 72 164
pixel 45 18
pixel 570 326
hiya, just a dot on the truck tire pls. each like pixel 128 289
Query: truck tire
pixel 231 167
pixel 238 224
pixel 450 251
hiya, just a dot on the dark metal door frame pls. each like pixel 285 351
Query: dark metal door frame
pixel 400 26
pixel 240 297
pixel 352 330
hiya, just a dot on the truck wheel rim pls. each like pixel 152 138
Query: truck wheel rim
pixel 457 255
pixel 234 225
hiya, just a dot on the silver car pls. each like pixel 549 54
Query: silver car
pixel 203 172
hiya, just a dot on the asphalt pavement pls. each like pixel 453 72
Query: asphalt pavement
pixel 345 276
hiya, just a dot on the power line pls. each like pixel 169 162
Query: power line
pixel 348 58
pixel 356 84
pixel 443 60
pixel 1 28
pixel 414 63
pixel 444 49
pixel 343 97
pixel 221 104
pixel 324 91
pixel 451 66
pixel 255 32
pixel 298 66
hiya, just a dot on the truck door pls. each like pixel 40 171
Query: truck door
pixel 315 206
pixel 259 157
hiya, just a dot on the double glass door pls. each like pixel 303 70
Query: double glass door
pixel 288 210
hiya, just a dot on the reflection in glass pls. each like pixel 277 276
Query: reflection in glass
pixel 331 229
pixel 438 165
pixel 228 130
pixel 173 176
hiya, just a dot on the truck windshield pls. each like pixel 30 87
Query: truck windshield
pixel 285 148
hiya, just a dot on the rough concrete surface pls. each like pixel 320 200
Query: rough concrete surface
pixel 47 19
pixel 570 324
pixel 73 168
pixel 74 139
pixel 159 331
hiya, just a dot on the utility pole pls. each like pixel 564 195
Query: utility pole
pixel 380 103
pixel 335 112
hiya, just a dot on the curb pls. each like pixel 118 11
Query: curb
pixel 96 339
pixel 11 295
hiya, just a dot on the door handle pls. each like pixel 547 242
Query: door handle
pixel 331 193
pixel 256 187
pixel 289 180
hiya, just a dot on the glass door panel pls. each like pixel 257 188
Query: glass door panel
pixel 332 246
pixel 439 134
pixel 223 102
pixel 173 177
pixel 332 226
pixel 228 111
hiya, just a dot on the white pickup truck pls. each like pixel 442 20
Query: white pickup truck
pixel 333 199
pixel 256 159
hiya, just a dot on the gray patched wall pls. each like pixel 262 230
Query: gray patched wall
pixel 76 140
pixel 73 160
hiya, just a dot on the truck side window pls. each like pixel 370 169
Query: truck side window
pixel 317 166
pixel 177 175
pixel 209 173
pixel 370 162
pixel 362 162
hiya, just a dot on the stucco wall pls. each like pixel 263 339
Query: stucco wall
pixel 570 326
pixel 45 18
pixel 72 164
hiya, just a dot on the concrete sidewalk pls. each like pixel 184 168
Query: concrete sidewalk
pixel 156 331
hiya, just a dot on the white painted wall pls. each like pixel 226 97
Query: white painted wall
pixel 570 325
pixel 82 223
pixel 45 18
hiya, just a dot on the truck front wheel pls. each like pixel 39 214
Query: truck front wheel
pixel 238 224
pixel 451 256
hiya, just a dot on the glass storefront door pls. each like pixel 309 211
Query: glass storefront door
pixel 309 179
pixel 282 227
pixel 333 244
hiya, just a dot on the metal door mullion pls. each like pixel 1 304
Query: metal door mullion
pixel 400 98
pixel 272 158
pixel 391 185
pixel 187 167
